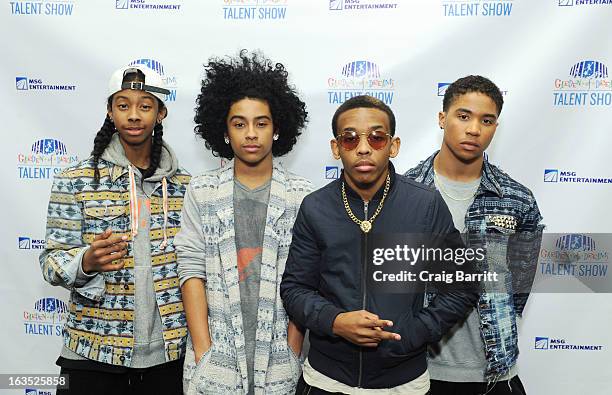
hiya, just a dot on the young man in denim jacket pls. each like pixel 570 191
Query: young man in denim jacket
pixel 497 213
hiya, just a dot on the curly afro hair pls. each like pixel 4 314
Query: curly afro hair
pixel 252 76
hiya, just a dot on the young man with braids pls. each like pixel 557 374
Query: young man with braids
pixel 110 229
pixel 236 232
pixel 365 340
pixel 495 212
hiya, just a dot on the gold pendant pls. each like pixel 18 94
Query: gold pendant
pixel 365 226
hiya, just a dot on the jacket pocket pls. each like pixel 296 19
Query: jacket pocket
pixel 98 218
pixel 296 363
pixel 500 224
pixel 193 372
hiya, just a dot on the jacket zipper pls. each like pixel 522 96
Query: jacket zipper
pixel 363 284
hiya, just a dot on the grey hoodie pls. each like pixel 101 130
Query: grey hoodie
pixel 148 338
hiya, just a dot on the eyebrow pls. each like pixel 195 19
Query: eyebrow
pixel 468 111
pixel 256 118
pixel 149 97
pixel 352 129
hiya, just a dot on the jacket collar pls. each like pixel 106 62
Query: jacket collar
pixel 118 171
pixel 488 182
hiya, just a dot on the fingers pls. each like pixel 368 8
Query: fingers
pixel 378 323
pixel 375 335
pixel 384 335
pixel 103 235
pixel 113 249
pixel 106 259
pixel 370 316
pixel 108 241
pixel 111 267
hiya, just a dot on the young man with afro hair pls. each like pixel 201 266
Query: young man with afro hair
pixel 238 221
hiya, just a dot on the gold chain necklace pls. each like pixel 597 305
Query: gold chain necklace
pixel 451 196
pixel 366 225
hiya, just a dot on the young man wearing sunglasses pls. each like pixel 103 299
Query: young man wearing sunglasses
pixel 479 354
pixel 362 341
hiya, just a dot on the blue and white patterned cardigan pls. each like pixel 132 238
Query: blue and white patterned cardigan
pixel 223 369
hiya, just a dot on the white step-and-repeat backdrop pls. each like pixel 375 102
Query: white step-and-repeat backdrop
pixel 549 57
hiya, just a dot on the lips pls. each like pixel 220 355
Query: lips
pixel 251 148
pixel 364 166
pixel 134 131
pixel 469 145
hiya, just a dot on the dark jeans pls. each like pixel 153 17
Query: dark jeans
pixel 507 387
pixel 304 389
pixel 163 379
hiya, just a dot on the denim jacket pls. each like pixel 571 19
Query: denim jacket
pixel 504 219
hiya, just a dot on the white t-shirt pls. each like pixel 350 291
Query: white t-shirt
pixel 314 378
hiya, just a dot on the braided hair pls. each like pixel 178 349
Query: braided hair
pixel 156 149
pixel 105 134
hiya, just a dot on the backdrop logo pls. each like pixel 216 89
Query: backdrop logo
pixel 255 9
pixel 588 84
pixel 170 80
pixel 443 86
pixel 575 254
pixel 589 69
pixel 153 5
pixel 27 243
pixel 360 5
pixel 360 77
pixel 541 343
pixel 46 158
pixel 558 344
pixel 25 83
pixel 461 8
pixel 47 318
pixel 332 172
pixel 551 175
pixel 42 7
pixel 571 3
pixel 575 242
pixel 572 177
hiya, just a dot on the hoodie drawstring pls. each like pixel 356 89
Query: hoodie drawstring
pixel 135 210
pixel 165 208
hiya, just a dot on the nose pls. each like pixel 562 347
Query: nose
pixel 133 115
pixel 251 133
pixel 473 128
pixel 364 147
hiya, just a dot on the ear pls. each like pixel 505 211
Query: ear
pixel 161 114
pixel 335 149
pixel 395 147
pixel 442 120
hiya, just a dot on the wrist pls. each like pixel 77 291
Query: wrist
pixel 337 324
pixel 85 267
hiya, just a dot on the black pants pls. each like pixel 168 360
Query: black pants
pixel 507 387
pixel 304 389
pixel 164 379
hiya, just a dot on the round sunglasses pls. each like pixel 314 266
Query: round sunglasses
pixel 377 139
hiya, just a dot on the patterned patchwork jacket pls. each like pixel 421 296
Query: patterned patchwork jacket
pixel 100 324
pixel 504 220
pixel 206 249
